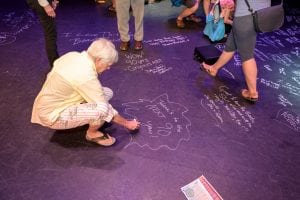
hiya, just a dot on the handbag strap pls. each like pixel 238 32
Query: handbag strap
pixel 214 6
pixel 251 10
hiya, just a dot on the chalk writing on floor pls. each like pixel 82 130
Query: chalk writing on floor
pixel 163 123
pixel 137 62
pixel 15 23
pixel 223 106
pixel 289 119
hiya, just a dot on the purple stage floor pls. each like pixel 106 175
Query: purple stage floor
pixel 192 124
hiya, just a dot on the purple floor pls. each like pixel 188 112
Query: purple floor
pixel 192 124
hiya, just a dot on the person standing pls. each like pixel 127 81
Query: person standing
pixel 123 17
pixel 242 39
pixel 72 94
pixel 45 10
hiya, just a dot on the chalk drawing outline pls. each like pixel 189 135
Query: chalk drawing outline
pixel 187 138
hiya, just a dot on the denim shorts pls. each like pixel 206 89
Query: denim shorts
pixel 242 37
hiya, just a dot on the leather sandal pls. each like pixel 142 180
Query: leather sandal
pixel 104 140
pixel 124 46
pixel 193 18
pixel 250 97
pixel 180 23
pixel 138 45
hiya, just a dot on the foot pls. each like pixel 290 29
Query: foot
pixel 112 8
pixel 124 46
pixel 100 138
pixel 208 69
pixel 193 18
pixel 138 45
pixel 180 23
pixel 253 97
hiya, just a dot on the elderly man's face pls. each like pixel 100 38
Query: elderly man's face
pixel 101 66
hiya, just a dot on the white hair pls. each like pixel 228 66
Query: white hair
pixel 103 49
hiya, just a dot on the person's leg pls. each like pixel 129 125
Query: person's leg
pixel 123 16
pixel 112 7
pixel 246 40
pixel 138 13
pixel 191 7
pixel 223 60
pixel 49 28
pixel 88 113
pixel 250 73
pixel 206 5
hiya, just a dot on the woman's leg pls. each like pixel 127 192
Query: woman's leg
pixel 223 60
pixel 190 9
pixel 250 73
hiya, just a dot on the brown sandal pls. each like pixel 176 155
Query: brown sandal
pixel 250 97
pixel 138 45
pixel 180 23
pixel 124 46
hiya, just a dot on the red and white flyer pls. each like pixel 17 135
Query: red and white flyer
pixel 200 189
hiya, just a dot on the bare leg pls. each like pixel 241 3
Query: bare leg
pixel 188 11
pixel 93 132
pixel 223 60
pixel 206 4
pixel 250 73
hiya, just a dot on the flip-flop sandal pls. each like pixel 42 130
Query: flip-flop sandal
pixel 105 140
pixel 246 95
pixel 208 71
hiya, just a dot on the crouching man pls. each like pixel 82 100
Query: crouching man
pixel 72 94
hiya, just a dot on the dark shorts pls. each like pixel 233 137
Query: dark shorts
pixel 242 37
pixel 189 3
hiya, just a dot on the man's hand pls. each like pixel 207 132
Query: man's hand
pixel 50 11
pixel 133 124
pixel 129 124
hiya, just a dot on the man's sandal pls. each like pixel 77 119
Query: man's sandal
pixel 250 97
pixel 104 140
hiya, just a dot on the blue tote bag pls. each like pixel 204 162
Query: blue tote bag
pixel 215 27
